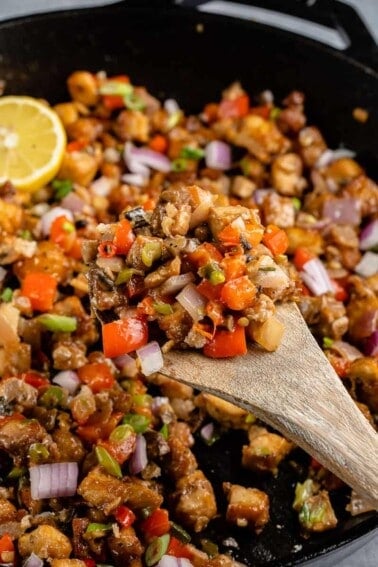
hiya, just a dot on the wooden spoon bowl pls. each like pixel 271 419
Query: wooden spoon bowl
pixel 296 391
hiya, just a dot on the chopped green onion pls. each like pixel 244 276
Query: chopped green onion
pixel 178 165
pixel 156 549
pixel 297 204
pixel 174 119
pixel 327 342
pixel 108 462
pixel 164 431
pixel 180 533
pixel 245 165
pixel 142 400
pixel 17 472
pixel 151 252
pixel 138 422
pixel 267 269
pixel 96 529
pixel 61 188
pixel 7 295
pixel 145 512
pixel 188 152
pixel 163 308
pixel 116 88
pixel 250 418
pixel 58 323
pixel 25 234
pixel 125 275
pixel 68 227
pixel 52 397
pixel 209 547
pixel 121 432
pixel 309 516
pixel 134 102
pixel 274 113
pixel 303 491
pixel 213 273
pixel 38 452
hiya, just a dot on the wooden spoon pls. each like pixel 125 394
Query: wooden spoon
pixel 296 391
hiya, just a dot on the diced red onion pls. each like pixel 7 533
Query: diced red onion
pixel 171 106
pixel 192 301
pixel 157 402
pixel 33 561
pixel 73 202
pixel 207 431
pixel 172 561
pixel 53 480
pixel 67 379
pixel 168 561
pixel 218 155
pixel 316 278
pixel 114 263
pixel 127 364
pixel 134 157
pixel 346 350
pixel 136 179
pixel 369 235
pixel 260 194
pixel 48 218
pixel 139 459
pixel 342 211
pixel 328 156
pixel 3 273
pixel 102 186
pixel 150 358
pixel 175 283
pixel 368 265
pixel 371 345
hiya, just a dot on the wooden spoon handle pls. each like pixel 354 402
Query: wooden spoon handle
pixel 297 392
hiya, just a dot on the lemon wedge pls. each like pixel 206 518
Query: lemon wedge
pixel 32 142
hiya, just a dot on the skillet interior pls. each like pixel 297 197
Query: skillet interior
pixel 163 51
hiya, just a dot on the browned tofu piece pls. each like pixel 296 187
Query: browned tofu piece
pixel 247 507
pixel 365 372
pixel 181 459
pixel 316 514
pixel 104 491
pixel 194 500
pixel 265 451
pixel 45 541
pixel 67 563
pixel 220 217
pixel 222 411
pixel 125 547
pixel 8 512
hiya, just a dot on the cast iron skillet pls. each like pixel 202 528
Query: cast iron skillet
pixel 158 45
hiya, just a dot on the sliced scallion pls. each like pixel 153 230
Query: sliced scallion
pixel 156 549
pixel 108 462
pixel 138 422
pixel 58 323
pixel 188 152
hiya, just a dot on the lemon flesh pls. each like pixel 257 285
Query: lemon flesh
pixel 32 142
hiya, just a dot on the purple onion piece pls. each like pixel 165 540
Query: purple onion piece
pixel 218 155
pixel 371 345
pixel 150 358
pixel 33 561
pixel 53 480
pixel 139 459
pixel 342 211
pixel 192 301
pixel 369 236
pixel 207 431
pixel 67 379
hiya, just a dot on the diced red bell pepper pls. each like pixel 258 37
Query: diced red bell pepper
pixel 238 294
pixel 124 516
pixel 40 288
pixel 178 548
pixel 276 240
pixel 124 336
pixel 97 375
pixel 235 108
pixel 34 379
pixel 227 343
pixel 124 237
pixel 301 257
pixel 157 523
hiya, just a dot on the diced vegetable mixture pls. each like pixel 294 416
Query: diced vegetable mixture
pixel 185 231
